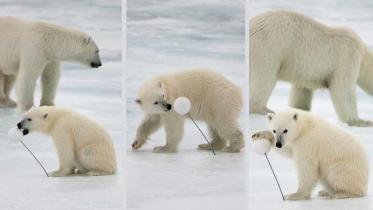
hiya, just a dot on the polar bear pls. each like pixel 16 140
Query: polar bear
pixel 214 100
pixel 322 153
pixel 290 47
pixel 30 49
pixel 82 145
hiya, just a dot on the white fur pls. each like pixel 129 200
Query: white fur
pixel 30 49
pixel 322 153
pixel 214 100
pixel 290 47
pixel 81 143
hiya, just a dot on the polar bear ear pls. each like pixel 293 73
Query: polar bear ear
pixel 86 40
pixel 295 116
pixel 270 116
pixel 45 116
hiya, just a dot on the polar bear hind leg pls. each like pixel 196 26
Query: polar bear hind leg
pixel 300 98
pixel 343 94
pixel 217 143
pixel 95 162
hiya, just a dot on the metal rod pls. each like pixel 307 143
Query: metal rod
pixel 273 172
pixel 212 148
pixel 35 158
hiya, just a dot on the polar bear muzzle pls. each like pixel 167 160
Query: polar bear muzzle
pixel 96 64
pixel 167 107
pixel 25 131
pixel 279 141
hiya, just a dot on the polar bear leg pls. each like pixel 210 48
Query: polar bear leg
pixel 307 180
pixel 174 127
pixel 26 82
pixel 261 84
pixel 148 126
pixel 300 98
pixel 230 132
pixel 327 190
pixel 65 153
pixel 49 82
pixel 343 94
pixel 345 181
pixel 5 101
pixel 95 161
pixel 8 86
pixel 217 143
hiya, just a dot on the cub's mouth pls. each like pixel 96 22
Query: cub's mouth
pixel 25 131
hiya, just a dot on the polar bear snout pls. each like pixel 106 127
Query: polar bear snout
pixel 25 131
pixel 168 107
pixel 96 64
pixel 19 125
pixel 279 141
pixel 278 144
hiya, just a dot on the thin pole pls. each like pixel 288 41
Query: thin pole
pixel 212 148
pixel 35 158
pixel 273 172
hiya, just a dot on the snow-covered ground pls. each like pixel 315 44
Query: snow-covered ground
pixel 262 190
pixel 93 92
pixel 169 35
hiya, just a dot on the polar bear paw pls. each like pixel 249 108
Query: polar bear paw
pixel 164 149
pixel 360 123
pixel 137 144
pixel 59 173
pixel 297 196
pixel 7 103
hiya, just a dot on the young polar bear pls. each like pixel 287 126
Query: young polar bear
pixel 322 153
pixel 214 100
pixel 82 145
pixel 30 49
pixel 291 47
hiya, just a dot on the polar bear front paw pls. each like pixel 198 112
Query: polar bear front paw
pixel 137 144
pixel 164 149
pixel 360 123
pixel 58 173
pixel 324 193
pixel 297 196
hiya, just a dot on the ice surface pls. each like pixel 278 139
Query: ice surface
pixel 93 92
pixel 167 35
pixel 262 190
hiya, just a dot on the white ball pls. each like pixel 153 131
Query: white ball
pixel 182 105
pixel 15 135
pixel 261 146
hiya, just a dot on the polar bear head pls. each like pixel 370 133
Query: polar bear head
pixel 285 127
pixel 35 119
pixel 88 53
pixel 152 97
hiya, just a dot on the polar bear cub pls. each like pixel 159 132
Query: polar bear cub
pixel 33 49
pixel 214 100
pixel 82 145
pixel 322 153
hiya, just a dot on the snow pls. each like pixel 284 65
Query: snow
pixel 169 35
pixel 92 92
pixel 262 191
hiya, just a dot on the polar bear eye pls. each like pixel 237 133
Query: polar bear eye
pixel 274 131
pixel 155 103
pixel 96 51
pixel 29 119
pixel 286 130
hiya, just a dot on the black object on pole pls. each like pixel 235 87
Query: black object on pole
pixel 212 148
pixel 273 172
pixel 35 158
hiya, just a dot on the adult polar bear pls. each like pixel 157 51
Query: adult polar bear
pixel 30 49
pixel 291 47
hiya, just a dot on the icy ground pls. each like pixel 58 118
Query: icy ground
pixel 93 92
pixel 175 35
pixel 262 190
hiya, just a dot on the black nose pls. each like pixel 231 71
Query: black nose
pixel 168 106
pixel 278 144
pixel 19 125
pixel 96 65
pixel 25 132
